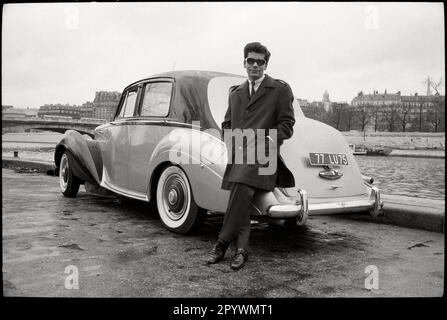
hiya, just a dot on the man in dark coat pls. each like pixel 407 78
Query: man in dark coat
pixel 259 103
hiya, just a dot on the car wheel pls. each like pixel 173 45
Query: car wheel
pixel 68 182
pixel 175 202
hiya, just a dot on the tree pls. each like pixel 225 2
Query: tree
pixel 362 116
pixel 390 116
pixel 435 85
pixel 403 116
pixel 436 114
pixel 336 115
pixel 375 116
pixel 348 116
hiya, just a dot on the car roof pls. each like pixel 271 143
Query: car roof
pixel 188 75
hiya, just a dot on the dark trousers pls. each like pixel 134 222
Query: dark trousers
pixel 236 225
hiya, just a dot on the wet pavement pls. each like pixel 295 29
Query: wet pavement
pixel 119 248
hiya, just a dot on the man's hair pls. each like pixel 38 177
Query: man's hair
pixel 258 48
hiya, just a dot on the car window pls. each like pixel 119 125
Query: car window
pixel 128 107
pixel 156 99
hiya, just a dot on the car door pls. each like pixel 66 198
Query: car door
pixel 148 130
pixel 116 150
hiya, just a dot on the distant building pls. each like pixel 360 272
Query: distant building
pixel 65 110
pixel 102 107
pixel 376 99
pixel 314 110
pixel 86 110
pixel 416 107
pixel 11 112
pixel 105 104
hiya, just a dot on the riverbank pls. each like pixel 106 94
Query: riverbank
pixel 397 140
pixel 401 144
pixel 417 153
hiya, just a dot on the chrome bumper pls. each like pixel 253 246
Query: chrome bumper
pixel 299 210
pixel 302 209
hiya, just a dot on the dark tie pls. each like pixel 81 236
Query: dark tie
pixel 252 89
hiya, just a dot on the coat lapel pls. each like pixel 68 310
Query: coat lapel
pixel 266 83
pixel 243 93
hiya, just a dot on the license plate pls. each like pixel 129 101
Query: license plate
pixel 328 159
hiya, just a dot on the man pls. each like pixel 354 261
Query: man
pixel 259 103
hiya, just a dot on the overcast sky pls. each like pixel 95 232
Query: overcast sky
pixel 63 53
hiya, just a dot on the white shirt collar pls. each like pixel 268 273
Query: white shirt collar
pixel 258 81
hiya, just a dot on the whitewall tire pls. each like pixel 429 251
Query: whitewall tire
pixel 175 203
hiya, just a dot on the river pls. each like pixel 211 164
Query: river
pixel 407 176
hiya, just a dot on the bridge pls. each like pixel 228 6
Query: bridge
pixel 18 124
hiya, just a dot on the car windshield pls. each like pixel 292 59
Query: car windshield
pixel 218 90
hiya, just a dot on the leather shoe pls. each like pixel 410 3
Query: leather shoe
pixel 217 253
pixel 239 259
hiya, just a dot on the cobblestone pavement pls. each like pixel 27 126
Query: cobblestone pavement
pixel 120 249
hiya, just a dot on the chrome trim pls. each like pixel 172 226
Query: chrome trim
pixel 331 174
pixel 253 207
pixel 304 202
pixel 367 179
pixel 122 191
pixel 284 211
pixel 340 207
pixel 298 210
pixel 149 121
pixel 376 210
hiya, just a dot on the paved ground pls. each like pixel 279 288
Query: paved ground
pixel 120 249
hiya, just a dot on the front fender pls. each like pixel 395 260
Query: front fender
pixel 86 153
pixel 192 154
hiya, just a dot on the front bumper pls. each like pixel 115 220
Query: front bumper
pixel 301 209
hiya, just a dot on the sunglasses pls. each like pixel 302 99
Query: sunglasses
pixel 251 61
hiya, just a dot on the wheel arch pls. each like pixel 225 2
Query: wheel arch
pixel 205 178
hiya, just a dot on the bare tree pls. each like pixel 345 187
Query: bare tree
pixel 362 115
pixel 436 85
pixel 336 115
pixel 436 114
pixel 348 116
pixel 403 116
pixel 376 117
pixel 390 116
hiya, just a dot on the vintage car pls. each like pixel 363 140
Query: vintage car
pixel 177 115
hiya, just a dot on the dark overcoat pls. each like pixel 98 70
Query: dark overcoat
pixel 270 108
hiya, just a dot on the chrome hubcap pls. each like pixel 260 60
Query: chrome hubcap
pixel 176 197
pixel 172 196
